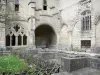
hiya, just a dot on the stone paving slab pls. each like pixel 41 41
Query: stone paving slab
pixel 84 71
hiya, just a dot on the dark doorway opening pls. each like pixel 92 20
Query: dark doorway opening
pixel 45 37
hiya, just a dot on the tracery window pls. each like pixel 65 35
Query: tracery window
pixel 44 5
pixel 86 20
pixel 16 36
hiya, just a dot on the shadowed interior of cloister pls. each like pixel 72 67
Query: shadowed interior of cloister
pixel 45 37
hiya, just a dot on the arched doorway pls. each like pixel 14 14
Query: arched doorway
pixel 45 37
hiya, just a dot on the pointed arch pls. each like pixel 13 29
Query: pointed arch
pixel 13 40
pixel 8 40
pixel 86 12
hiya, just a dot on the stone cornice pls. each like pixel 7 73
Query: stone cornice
pixel 32 17
pixel 46 15
pixel 56 13
pixel 38 9
pixel 52 7
pixel 33 7
pixel 82 2
pixel 31 2
pixel 19 20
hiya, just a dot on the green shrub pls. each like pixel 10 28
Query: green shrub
pixel 11 64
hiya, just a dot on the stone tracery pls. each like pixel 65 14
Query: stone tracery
pixel 16 36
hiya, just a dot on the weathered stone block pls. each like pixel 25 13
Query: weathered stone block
pixel 72 64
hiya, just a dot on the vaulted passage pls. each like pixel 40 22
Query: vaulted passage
pixel 45 37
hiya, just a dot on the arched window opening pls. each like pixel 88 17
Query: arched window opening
pixel 16 5
pixel 44 5
pixel 13 40
pixel 8 40
pixel 24 40
pixel 86 20
pixel 19 40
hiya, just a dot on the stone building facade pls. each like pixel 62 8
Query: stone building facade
pixel 51 24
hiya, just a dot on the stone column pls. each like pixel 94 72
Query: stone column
pixel 2 37
pixel 32 24
pixel 16 41
pixel 71 40
pixel 58 38
pixel 22 41
pixel 10 40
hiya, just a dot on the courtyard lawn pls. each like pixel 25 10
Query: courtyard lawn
pixel 12 64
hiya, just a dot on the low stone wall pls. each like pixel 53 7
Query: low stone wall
pixel 72 64
pixel 33 52
pixel 94 63
pixel 69 61
pixel 47 55
pixel 4 52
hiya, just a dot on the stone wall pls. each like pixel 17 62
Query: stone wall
pixel 94 63
pixel 66 21
pixel 73 64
